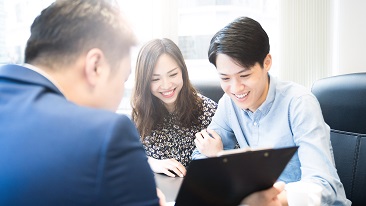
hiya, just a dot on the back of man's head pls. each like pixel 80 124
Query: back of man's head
pixel 66 29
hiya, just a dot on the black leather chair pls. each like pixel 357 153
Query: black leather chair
pixel 343 102
pixel 211 90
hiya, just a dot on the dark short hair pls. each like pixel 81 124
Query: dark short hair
pixel 244 40
pixel 67 29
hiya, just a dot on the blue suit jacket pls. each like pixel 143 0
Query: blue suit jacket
pixel 53 152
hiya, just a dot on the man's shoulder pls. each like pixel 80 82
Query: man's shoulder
pixel 83 122
pixel 291 89
pixel 102 114
pixel 99 118
pixel 290 94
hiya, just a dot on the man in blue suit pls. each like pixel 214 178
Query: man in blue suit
pixel 61 143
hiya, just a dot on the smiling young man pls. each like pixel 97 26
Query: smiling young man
pixel 259 111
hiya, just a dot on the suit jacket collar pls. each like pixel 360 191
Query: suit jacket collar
pixel 26 75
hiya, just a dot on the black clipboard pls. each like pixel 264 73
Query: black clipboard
pixel 227 179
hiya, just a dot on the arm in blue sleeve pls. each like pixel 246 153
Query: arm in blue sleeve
pixel 221 125
pixel 312 135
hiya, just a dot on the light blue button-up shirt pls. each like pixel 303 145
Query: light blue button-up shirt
pixel 289 116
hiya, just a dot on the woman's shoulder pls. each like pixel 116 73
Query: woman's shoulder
pixel 207 102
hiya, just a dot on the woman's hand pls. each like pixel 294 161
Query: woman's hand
pixel 167 166
pixel 161 196
pixel 208 142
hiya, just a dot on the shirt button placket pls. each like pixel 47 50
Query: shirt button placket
pixel 255 133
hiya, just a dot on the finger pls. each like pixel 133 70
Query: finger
pixel 177 172
pixel 199 140
pixel 169 173
pixel 169 168
pixel 182 169
pixel 206 135
pixel 176 167
pixel 214 134
pixel 199 136
pixel 179 166
pixel 280 186
pixel 271 193
pixel 161 196
pixel 198 145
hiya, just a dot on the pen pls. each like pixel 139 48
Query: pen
pixel 209 133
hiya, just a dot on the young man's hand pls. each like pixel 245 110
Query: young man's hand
pixel 208 142
pixel 268 197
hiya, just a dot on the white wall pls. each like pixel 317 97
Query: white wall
pixel 305 40
pixel 351 34
pixel 321 38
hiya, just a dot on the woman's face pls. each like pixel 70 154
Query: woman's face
pixel 167 81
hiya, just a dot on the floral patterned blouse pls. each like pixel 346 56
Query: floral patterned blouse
pixel 174 141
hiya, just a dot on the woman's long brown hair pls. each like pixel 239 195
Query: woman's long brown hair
pixel 147 110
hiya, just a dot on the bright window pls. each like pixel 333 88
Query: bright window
pixel 190 23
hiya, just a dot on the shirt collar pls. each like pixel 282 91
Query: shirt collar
pixel 267 104
pixel 45 75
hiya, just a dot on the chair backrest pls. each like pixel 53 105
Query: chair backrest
pixel 343 102
pixel 210 90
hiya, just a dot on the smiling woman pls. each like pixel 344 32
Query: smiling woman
pixel 167 109
pixel 167 81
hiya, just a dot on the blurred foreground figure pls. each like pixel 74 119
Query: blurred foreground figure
pixel 61 143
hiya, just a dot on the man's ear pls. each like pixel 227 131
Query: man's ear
pixel 267 62
pixel 94 65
